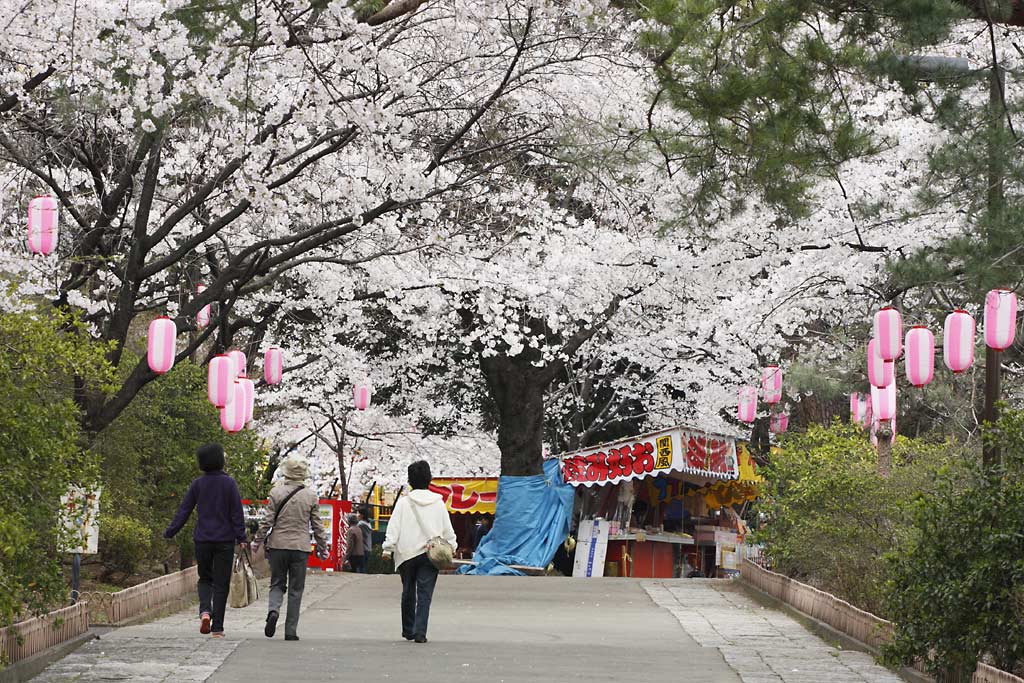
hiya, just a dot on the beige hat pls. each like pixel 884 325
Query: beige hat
pixel 295 469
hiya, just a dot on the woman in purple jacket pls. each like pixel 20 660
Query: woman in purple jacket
pixel 220 524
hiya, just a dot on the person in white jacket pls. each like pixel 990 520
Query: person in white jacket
pixel 417 518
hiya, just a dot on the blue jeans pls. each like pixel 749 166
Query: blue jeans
pixel 418 580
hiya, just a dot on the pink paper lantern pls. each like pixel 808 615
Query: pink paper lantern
pixel 883 402
pixel 874 429
pixel 771 383
pixel 203 316
pixel 1000 319
pixel 860 407
pixel 249 395
pixel 42 225
pixel 888 333
pixel 220 380
pixel 779 423
pixel 362 393
pixel 747 410
pixel 958 341
pixel 920 361
pixel 241 364
pixel 232 416
pixel 273 365
pixel 865 411
pixel 881 373
pixel 160 348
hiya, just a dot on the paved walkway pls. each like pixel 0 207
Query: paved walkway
pixel 485 629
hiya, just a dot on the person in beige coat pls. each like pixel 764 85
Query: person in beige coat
pixel 296 509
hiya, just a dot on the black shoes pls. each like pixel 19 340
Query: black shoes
pixel 291 637
pixel 271 628
pixel 408 636
pixel 420 639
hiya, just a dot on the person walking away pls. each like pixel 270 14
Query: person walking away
pixel 291 511
pixel 354 545
pixel 220 525
pixel 416 518
pixel 364 526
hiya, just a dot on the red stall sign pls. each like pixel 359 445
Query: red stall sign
pixel 672 450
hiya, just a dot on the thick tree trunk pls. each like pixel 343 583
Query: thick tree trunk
pixel 517 388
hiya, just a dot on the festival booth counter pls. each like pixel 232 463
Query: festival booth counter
pixel 469 500
pixel 647 504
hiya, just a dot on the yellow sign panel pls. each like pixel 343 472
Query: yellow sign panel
pixel 664 450
pixel 468 496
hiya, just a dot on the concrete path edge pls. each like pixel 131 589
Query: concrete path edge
pixel 27 669
pixel 826 632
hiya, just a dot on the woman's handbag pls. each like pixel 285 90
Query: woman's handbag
pixel 440 554
pixel 244 588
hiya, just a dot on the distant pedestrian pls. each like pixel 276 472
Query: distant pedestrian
pixel 220 525
pixel 364 526
pixel 291 512
pixel 354 551
pixel 479 531
pixel 416 519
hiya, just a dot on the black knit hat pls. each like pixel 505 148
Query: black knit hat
pixel 210 457
pixel 419 474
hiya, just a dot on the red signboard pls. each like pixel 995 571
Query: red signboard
pixel 673 450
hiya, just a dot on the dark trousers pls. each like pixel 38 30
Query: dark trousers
pixel 214 563
pixel 418 580
pixel 288 573
pixel 358 563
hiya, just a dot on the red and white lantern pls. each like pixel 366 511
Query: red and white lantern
pixel 160 347
pixel 249 394
pixel 779 423
pixel 220 380
pixel 883 402
pixel 771 383
pixel 874 430
pixel 42 225
pixel 203 316
pixel 362 394
pixel 860 409
pixel 241 364
pixel 865 411
pixel 232 416
pixel 958 341
pixel 888 333
pixel 920 356
pixel 1000 319
pixel 273 365
pixel 747 410
pixel 881 372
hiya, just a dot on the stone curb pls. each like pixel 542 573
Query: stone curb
pixel 28 668
pixel 826 632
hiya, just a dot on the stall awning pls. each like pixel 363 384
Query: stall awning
pixel 679 449
pixel 748 469
pixel 468 496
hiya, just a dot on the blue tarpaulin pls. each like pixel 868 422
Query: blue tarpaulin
pixel 532 518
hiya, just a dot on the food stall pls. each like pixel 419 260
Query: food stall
pixel 469 500
pixel 650 491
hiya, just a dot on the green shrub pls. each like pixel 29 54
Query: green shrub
pixel 956 588
pixel 831 519
pixel 124 543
